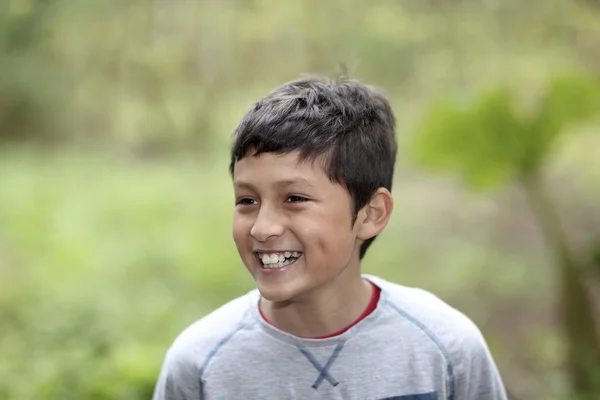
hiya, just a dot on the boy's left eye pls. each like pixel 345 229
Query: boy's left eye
pixel 296 199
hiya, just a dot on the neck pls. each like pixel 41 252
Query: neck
pixel 324 311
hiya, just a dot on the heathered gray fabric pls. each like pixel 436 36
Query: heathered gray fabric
pixel 412 347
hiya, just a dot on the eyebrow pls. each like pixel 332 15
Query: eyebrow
pixel 281 184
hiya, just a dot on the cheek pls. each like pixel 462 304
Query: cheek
pixel 241 229
pixel 328 233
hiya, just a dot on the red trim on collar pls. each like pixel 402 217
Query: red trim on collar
pixel 370 308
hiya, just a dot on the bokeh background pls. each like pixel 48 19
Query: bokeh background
pixel 116 204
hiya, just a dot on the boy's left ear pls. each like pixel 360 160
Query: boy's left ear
pixel 376 214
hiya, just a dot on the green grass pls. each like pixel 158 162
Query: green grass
pixel 103 262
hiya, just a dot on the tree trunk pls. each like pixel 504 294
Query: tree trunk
pixel 577 315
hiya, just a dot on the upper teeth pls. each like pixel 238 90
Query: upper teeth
pixel 277 257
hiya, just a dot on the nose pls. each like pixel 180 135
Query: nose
pixel 268 224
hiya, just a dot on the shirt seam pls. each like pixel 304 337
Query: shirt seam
pixel 204 367
pixel 435 340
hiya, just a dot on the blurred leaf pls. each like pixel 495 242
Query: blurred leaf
pixel 481 141
pixel 488 143
pixel 568 100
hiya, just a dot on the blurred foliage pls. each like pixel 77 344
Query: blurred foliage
pixel 105 258
pixel 490 144
pixel 105 267
pixel 162 74
pixel 496 140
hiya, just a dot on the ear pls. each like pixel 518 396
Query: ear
pixel 374 217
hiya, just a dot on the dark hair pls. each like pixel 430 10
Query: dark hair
pixel 346 125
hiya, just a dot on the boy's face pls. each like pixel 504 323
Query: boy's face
pixel 292 226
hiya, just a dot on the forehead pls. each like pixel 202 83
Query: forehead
pixel 285 167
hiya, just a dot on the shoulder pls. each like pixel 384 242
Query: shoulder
pixel 470 368
pixel 186 359
pixel 195 344
pixel 452 332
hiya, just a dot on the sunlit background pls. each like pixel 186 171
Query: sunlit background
pixel 116 203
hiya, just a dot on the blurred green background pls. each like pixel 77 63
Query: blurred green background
pixel 115 200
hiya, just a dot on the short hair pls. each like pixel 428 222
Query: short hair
pixel 346 125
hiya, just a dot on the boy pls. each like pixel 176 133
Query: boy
pixel 312 166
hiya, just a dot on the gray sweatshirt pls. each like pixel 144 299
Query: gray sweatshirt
pixel 412 347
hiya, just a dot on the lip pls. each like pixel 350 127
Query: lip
pixel 275 251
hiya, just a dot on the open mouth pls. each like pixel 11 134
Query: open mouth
pixel 277 260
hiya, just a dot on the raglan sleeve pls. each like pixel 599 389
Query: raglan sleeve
pixel 179 378
pixel 476 376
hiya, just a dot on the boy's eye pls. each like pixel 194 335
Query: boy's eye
pixel 245 202
pixel 296 199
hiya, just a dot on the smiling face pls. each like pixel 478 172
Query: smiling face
pixel 292 226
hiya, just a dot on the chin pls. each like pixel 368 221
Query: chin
pixel 274 295
pixel 276 292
